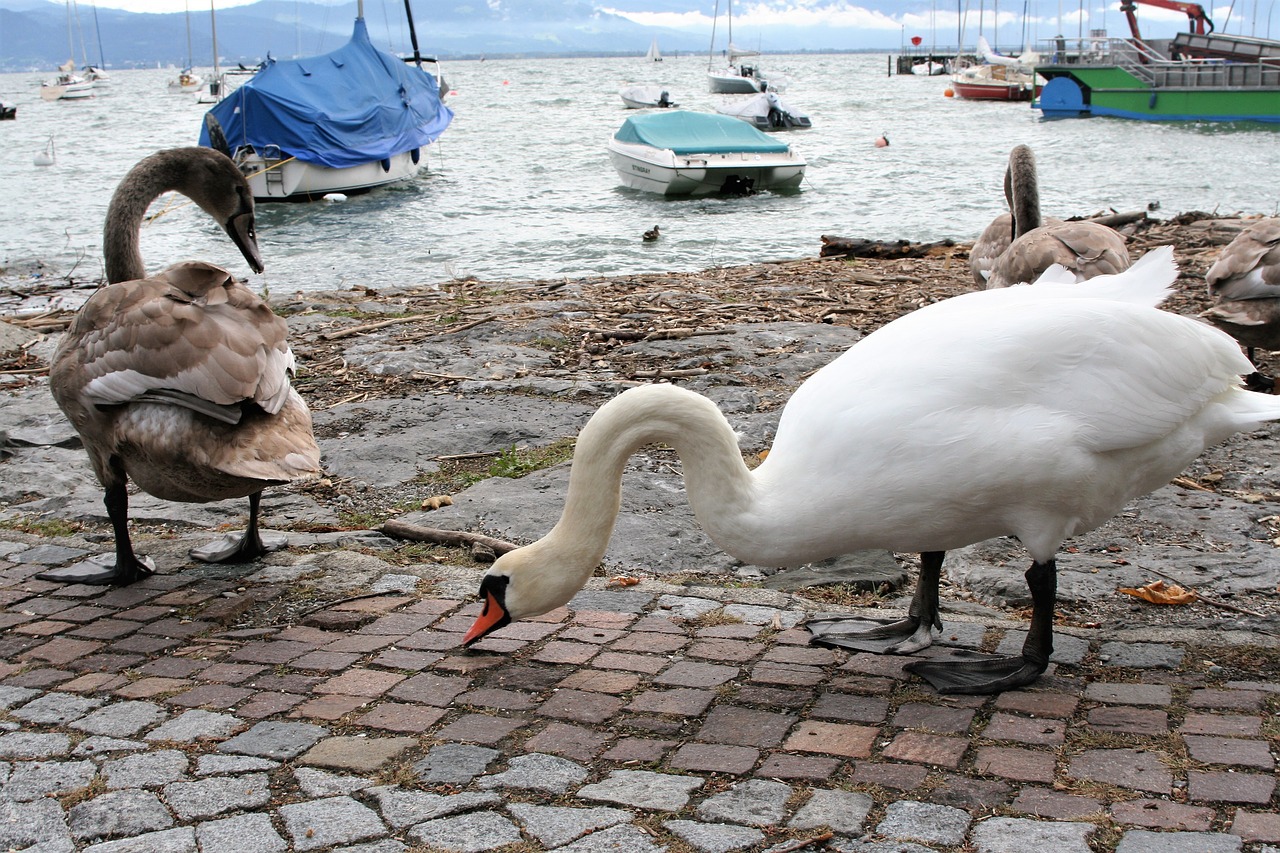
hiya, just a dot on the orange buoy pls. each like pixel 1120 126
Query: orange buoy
pixel 950 93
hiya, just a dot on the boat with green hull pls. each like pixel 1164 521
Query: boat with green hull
pixel 1192 77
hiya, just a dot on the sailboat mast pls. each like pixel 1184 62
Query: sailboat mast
pixel 413 35
pixel 711 50
pixel 71 44
pixel 102 62
pixel 729 9
pixel 190 63
pixel 213 27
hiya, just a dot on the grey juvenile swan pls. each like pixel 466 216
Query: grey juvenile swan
pixel 1246 281
pixel 1084 249
pixel 997 236
pixel 180 380
pixel 1015 411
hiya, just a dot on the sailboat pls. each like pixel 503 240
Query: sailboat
pixel 653 55
pixel 213 92
pixel 96 74
pixel 187 80
pixel 68 85
pixel 737 78
pixel 345 122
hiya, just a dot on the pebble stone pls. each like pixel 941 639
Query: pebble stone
pixel 715 837
pixel 147 769
pixel 643 789
pixel 538 772
pixel 1145 841
pixel 118 813
pixel 275 740
pixel 925 822
pixel 324 823
pixel 555 826
pixel 454 762
pixel 196 725
pixel 843 811
pixel 755 802
pixel 1016 835
pixel 401 807
pixel 121 719
pixel 467 833
pixel 247 833
pixel 217 794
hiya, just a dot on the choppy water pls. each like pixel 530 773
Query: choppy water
pixel 520 186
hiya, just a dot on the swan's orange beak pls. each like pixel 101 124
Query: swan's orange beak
pixel 491 618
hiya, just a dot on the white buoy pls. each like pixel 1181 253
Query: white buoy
pixel 47 156
pixel 334 198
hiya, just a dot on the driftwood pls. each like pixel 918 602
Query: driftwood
pixel 1115 220
pixel 417 533
pixel 854 247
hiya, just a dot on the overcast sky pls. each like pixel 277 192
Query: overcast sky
pixel 762 13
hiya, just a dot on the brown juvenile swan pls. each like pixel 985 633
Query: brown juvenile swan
pixel 180 380
pixel 1246 281
pixel 997 236
pixel 1084 249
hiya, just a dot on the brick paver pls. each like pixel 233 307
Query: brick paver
pixel 642 708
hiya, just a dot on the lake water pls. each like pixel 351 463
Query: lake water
pixel 520 186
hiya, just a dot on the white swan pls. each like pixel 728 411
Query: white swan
pixel 1246 281
pixel 180 380
pixel 1086 249
pixel 1035 412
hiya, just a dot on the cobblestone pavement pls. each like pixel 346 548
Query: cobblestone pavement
pixel 175 715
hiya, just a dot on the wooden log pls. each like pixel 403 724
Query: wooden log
pixel 855 247
pixel 417 533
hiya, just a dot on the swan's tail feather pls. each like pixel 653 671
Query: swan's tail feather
pixel 1148 282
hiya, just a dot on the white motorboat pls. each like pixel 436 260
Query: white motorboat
pixel 646 97
pixel 679 152
pixel 765 111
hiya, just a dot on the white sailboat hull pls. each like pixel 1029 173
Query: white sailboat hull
pixel 662 171
pixel 730 82
pixel 285 179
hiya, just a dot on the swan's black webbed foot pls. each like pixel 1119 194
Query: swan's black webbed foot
pixel 989 675
pixel 239 547
pixel 1260 382
pixel 902 637
pixel 101 570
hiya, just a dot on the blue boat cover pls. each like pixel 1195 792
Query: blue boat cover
pixel 686 132
pixel 351 106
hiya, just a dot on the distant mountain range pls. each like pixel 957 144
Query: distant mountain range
pixel 34 33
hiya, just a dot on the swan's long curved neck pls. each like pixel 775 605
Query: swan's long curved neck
pixel 120 236
pixel 1022 188
pixel 719 485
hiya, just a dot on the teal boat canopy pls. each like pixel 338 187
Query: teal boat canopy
pixel 686 132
